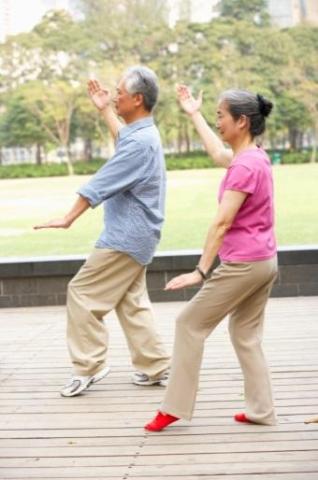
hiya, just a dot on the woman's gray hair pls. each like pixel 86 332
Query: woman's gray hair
pixel 139 79
pixel 255 107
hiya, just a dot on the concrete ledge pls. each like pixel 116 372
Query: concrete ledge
pixel 38 281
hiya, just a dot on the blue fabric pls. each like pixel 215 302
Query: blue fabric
pixel 132 187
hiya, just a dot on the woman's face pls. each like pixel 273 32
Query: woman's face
pixel 228 127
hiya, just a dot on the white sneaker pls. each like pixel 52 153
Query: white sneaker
pixel 78 384
pixel 140 378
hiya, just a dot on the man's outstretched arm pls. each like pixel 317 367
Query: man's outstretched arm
pixel 101 98
pixel 79 207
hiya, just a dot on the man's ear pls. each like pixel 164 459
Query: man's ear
pixel 139 99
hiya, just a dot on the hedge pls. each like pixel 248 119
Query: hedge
pixel 194 160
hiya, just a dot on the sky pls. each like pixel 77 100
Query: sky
pixel 24 14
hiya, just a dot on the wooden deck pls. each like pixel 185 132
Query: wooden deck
pixel 99 435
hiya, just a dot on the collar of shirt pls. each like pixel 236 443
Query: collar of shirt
pixel 137 125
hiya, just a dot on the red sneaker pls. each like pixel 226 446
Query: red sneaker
pixel 241 417
pixel 161 421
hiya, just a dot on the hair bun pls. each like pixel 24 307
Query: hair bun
pixel 265 106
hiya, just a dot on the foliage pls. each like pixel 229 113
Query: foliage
pixel 43 73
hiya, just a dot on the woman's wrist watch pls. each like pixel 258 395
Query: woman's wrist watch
pixel 203 275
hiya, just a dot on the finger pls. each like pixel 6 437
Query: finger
pixel 174 287
pixel 38 227
pixel 97 85
pixel 93 87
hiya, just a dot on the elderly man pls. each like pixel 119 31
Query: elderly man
pixel 131 186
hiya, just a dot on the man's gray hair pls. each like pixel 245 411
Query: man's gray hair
pixel 139 79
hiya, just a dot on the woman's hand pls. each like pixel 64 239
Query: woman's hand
pixel 57 223
pixel 189 104
pixel 101 97
pixel 186 280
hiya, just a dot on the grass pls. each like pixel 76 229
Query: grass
pixel 191 205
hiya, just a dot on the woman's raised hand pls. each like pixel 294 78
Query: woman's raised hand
pixel 189 104
pixel 100 96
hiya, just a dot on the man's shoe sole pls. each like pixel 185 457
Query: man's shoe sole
pixel 150 383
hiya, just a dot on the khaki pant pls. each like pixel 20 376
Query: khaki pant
pixel 242 290
pixel 112 280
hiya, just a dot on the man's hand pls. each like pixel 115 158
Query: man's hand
pixel 189 104
pixel 57 223
pixel 182 281
pixel 101 97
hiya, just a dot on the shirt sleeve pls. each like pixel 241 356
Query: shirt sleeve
pixel 241 178
pixel 124 170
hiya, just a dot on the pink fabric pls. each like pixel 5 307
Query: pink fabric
pixel 251 236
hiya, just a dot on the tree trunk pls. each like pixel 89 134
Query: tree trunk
pixel 38 154
pixel 88 150
pixel 313 152
pixel 179 136
pixel 187 138
pixel 292 136
pixel 69 162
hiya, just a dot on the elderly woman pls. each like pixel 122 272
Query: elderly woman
pixel 243 237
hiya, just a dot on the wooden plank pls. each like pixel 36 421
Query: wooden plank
pixel 193 429
pixel 181 476
pixel 156 450
pixel 226 469
pixel 249 458
pixel 64 472
pixel 164 439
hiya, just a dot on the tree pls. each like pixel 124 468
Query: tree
pixel 53 106
pixel 19 127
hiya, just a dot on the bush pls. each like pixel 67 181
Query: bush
pixel 88 168
pixel 296 157
pixel 31 171
pixel 188 161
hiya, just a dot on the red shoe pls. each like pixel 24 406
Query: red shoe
pixel 241 417
pixel 161 421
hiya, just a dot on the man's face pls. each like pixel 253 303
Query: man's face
pixel 125 103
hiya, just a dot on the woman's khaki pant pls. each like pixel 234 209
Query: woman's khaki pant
pixel 112 280
pixel 241 290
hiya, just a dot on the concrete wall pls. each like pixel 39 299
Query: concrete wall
pixel 42 281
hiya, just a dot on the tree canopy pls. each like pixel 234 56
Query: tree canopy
pixel 43 73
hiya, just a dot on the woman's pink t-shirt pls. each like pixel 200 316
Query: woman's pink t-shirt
pixel 251 236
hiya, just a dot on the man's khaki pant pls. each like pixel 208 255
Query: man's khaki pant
pixel 241 290
pixel 112 280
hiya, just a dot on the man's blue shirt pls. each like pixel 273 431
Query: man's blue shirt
pixel 132 187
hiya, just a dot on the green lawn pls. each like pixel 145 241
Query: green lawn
pixel 191 204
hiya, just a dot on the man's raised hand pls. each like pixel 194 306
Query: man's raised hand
pixel 99 95
pixel 188 103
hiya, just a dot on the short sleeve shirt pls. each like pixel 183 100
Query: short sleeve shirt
pixel 251 236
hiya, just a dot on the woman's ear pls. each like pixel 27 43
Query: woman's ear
pixel 244 122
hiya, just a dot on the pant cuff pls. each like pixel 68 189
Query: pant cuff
pixel 175 412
